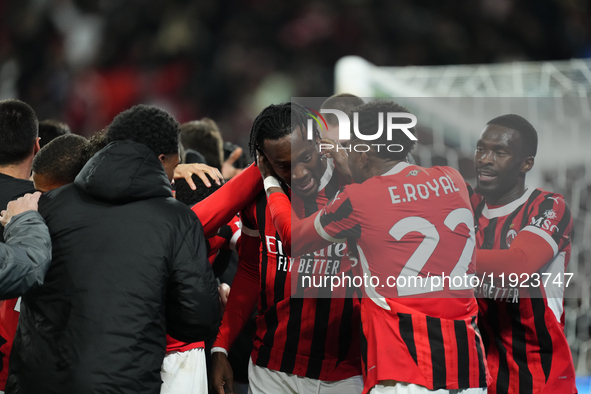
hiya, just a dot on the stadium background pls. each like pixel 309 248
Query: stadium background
pixel 83 61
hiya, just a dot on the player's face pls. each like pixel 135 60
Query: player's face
pixel 296 161
pixel 169 162
pixel 498 162
pixel 42 184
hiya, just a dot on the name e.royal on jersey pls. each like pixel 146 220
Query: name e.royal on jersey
pixel 436 186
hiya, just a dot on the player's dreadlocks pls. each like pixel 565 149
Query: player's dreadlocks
pixel 277 121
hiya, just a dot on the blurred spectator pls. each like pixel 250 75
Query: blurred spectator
pixel 50 129
pixel 87 60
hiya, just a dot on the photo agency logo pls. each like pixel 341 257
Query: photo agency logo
pixel 389 123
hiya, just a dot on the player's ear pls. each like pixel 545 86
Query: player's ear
pixel 527 164
pixel 37 146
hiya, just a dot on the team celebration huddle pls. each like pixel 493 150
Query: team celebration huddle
pixel 153 258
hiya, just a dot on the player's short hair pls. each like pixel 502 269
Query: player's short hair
pixel 527 132
pixel 19 129
pixel 369 124
pixel 188 196
pixel 95 143
pixel 61 160
pixel 50 129
pixel 343 102
pixel 275 122
pixel 148 125
pixel 204 137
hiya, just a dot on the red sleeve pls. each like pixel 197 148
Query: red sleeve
pixel 244 293
pixel 235 226
pixel 219 208
pixel 289 227
pixel 280 208
pixel 527 254
pixel 337 221
pixel 551 219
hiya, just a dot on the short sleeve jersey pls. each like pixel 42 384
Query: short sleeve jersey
pixel 413 223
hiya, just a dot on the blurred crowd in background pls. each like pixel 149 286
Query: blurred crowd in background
pixel 84 61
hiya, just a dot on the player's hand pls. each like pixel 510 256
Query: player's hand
pixel 264 166
pixel 224 291
pixel 340 157
pixel 28 202
pixel 228 170
pixel 268 172
pixel 187 170
pixel 222 375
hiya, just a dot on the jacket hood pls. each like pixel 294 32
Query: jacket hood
pixel 124 171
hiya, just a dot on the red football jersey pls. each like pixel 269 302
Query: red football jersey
pixel 313 337
pixel 227 237
pixel 523 327
pixel 413 222
pixel 9 313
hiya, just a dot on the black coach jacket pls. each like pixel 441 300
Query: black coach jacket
pixel 129 265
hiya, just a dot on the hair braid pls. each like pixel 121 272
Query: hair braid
pixel 275 122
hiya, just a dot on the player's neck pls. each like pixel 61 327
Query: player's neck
pixel 512 195
pixel 20 171
pixel 381 167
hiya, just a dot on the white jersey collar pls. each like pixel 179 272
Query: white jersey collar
pixel 491 213
pixel 327 174
pixel 397 168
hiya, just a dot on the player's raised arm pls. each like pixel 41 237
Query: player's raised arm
pixel 535 245
pixel 527 254
pixel 219 208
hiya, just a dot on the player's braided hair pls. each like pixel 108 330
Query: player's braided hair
pixel 277 121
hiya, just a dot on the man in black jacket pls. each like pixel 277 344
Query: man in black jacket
pixel 129 265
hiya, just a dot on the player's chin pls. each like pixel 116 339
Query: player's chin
pixel 308 190
pixel 486 188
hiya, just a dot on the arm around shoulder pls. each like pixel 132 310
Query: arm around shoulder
pixel 26 256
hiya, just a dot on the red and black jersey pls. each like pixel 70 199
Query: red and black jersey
pixel 227 237
pixel 523 327
pixel 301 334
pixel 413 225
